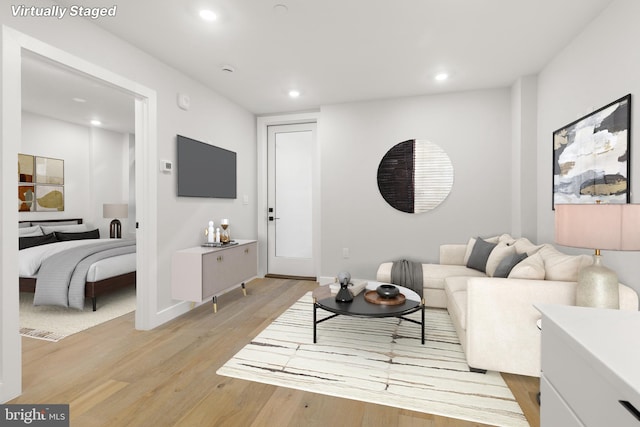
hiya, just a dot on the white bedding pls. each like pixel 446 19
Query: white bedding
pixel 30 260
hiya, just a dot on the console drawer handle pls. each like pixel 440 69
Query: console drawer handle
pixel 219 258
pixel 629 407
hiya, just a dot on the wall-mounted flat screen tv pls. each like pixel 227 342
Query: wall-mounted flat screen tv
pixel 205 170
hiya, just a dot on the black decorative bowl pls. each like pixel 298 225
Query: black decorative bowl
pixel 387 291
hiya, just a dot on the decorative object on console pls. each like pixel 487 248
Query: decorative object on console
pixel 210 233
pixel 225 236
pixel 591 156
pixel 415 176
pixel 115 210
pixel 344 295
pixel 600 226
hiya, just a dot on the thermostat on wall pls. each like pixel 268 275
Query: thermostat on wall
pixel 166 166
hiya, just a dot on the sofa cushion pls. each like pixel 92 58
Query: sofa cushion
pixel 456 289
pixel 531 267
pixel 507 264
pixel 480 254
pixel 559 266
pixel 503 238
pixel 498 253
pixel 434 275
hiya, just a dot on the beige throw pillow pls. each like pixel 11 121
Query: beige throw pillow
pixel 531 268
pixel 523 245
pixel 498 254
pixel 559 266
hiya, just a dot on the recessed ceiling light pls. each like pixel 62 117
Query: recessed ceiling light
pixel 280 9
pixel 294 93
pixel 95 122
pixel 80 100
pixel 208 15
pixel 441 77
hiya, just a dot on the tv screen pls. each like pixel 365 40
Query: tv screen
pixel 205 170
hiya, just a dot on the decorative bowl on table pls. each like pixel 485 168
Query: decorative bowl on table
pixel 387 291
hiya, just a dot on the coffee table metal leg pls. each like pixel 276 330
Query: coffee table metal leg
pixel 315 307
pixel 422 322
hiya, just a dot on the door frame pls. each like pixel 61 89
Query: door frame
pixel 263 123
pixel 13 43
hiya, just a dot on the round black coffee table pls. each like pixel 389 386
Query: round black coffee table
pixel 360 307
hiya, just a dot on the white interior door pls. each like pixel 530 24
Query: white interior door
pixel 290 196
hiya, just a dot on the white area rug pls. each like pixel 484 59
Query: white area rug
pixel 53 323
pixel 379 361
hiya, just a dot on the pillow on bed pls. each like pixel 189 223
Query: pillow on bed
pixel 71 228
pixel 62 236
pixel 30 231
pixel 28 242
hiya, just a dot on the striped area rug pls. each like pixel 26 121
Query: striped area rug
pixel 379 361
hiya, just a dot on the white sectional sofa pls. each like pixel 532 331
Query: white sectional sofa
pixel 495 316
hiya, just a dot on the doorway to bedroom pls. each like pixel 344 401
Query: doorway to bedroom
pixel 87 127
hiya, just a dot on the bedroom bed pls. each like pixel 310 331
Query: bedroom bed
pixel 43 242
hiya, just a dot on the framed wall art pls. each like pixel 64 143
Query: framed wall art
pixel 591 157
pixel 49 198
pixel 26 198
pixel 49 171
pixel 25 168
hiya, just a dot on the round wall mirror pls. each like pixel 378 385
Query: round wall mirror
pixel 415 176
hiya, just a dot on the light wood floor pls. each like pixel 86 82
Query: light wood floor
pixel 113 375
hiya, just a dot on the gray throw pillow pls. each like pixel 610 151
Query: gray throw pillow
pixel 507 264
pixel 480 254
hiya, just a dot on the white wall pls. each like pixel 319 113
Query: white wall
pixel 596 68
pixel 473 128
pixel 95 167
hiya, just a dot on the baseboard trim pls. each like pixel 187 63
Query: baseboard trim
pixel 286 276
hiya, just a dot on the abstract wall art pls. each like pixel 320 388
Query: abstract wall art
pixel 49 198
pixel 591 157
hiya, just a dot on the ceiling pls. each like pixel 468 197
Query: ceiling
pixel 336 51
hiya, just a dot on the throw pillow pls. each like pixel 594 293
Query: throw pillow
pixel 31 241
pixel 563 267
pixel 531 267
pixel 67 228
pixel 93 234
pixel 30 231
pixel 524 245
pixel 472 241
pixel 507 264
pixel 501 251
pixel 480 254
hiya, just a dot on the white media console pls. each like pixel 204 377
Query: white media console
pixel 200 273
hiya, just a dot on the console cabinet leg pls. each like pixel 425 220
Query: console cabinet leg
pixel 244 289
pixel 215 304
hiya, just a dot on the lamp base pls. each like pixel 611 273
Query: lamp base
pixel 115 229
pixel 597 286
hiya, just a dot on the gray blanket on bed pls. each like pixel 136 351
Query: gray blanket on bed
pixel 408 274
pixel 61 277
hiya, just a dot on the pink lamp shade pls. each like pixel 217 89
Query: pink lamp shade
pixel 601 226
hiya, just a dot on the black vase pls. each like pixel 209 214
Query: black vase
pixel 344 294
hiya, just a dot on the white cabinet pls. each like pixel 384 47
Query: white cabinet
pixel 201 273
pixel 590 367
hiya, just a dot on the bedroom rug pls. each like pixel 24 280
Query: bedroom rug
pixel 379 361
pixel 53 323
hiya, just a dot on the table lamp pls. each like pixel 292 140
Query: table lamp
pixel 598 226
pixel 115 210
